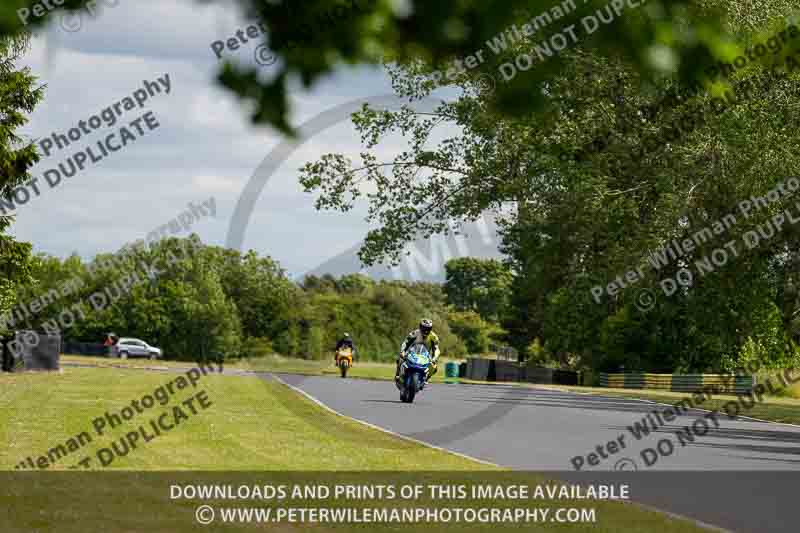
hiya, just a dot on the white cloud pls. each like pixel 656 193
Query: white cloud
pixel 205 145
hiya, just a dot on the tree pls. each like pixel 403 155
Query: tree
pixel 185 306
pixel 481 285
pixel 477 334
pixel 18 98
pixel 315 36
pixel 259 288
pixel 574 223
pixel 197 301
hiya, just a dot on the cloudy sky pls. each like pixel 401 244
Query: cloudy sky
pixel 204 146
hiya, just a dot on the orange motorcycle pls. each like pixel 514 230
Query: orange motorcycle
pixel 344 360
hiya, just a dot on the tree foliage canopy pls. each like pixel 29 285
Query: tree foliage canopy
pixel 676 158
pixel 669 156
pixel 313 37
pixel 197 301
pixel 18 97
pixel 480 285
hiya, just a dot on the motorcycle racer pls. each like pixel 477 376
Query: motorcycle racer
pixel 423 335
pixel 345 342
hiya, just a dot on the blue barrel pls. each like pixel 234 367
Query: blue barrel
pixel 451 370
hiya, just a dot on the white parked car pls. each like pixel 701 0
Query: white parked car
pixel 127 347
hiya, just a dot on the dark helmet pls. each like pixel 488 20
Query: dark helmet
pixel 425 326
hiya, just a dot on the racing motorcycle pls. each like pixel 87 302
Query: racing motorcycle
pixel 344 360
pixel 413 370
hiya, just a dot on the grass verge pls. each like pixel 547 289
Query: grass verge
pixel 275 363
pixel 772 408
pixel 249 426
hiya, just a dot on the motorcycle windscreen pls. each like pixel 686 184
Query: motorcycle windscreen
pixel 419 356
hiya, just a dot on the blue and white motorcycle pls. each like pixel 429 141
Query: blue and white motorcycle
pixel 413 371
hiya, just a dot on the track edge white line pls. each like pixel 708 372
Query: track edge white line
pixel 384 430
pixel 646 507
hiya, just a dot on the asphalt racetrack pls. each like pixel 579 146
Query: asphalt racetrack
pixel 735 474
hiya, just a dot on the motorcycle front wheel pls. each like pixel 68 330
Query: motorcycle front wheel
pixel 412 386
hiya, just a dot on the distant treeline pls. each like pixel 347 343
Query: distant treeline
pixel 194 300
